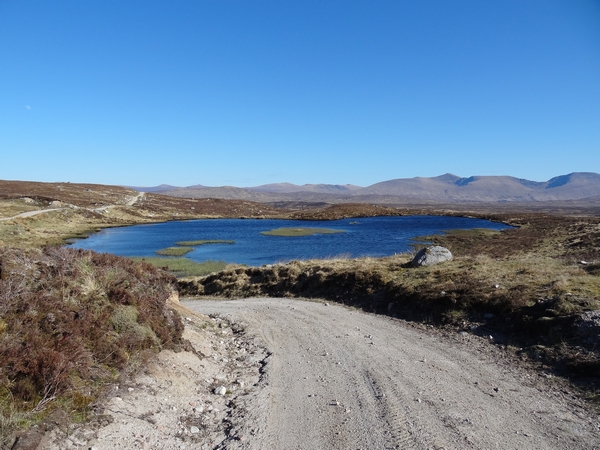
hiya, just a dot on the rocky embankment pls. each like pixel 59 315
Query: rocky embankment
pixel 186 399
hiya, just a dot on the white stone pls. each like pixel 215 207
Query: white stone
pixel 221 390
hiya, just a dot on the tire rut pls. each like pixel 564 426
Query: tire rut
pixel 343 379
pixel 393 415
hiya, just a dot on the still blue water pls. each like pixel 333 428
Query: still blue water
pixel 374 236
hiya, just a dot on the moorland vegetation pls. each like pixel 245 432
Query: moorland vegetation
pixel 73 321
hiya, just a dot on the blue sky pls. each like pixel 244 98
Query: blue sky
pixel 245 93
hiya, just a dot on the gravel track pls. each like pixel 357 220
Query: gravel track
pixel 338 378
pixel 30 214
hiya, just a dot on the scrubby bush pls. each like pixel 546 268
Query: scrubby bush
pixel 71 320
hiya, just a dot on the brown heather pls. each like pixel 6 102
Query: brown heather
pixel 71 321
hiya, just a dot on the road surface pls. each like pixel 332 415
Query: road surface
pixel 338 378
pixel 30 214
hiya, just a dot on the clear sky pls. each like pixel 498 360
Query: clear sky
pixel 243 93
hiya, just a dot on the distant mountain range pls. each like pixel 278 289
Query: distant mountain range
pixel 446 188
pixel 156 189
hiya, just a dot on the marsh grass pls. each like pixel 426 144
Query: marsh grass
pixel 174 251
pixel 203 242
pixel 524 288
pixel 294 232
pixel 184 267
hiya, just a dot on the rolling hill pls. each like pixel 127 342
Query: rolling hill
pixel 446 188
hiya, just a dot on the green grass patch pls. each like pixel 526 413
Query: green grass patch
pixel 174 251
pixel 184 267
pixel 203 242
pixel 293 232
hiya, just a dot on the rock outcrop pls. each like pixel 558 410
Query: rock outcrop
pixel 431 255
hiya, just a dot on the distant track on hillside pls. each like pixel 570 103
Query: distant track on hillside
pixel 130 202
pixel 30 214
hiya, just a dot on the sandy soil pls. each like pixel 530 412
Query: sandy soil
pixel 309 375
pixel 172 403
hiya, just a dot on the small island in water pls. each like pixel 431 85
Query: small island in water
pixel 200 242
pixel 293 232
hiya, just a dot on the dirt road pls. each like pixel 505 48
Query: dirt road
pixel 343 379
pixel 140 196
pixel 130 202
pixel 30 213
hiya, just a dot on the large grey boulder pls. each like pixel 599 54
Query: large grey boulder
pixel 431 255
